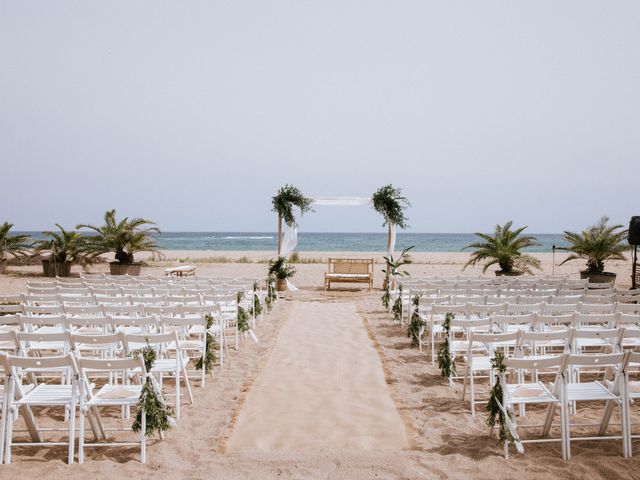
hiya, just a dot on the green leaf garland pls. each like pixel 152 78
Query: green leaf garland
pixel 445 361
pixel 159 414
pixel 497 415
pixel 210 349
pixel 397 306
pixel 242 316
pixel 416 323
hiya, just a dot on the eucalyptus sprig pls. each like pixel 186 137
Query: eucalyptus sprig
pixel 397 306
pixel 159 414
pixel 445 361
pixel 256 309
pixel 209 349
pixel 386 298
pixel 271 292
pixel 242 315
pixel 389 202
pixel 416 323
pixel 497 415
pixel 287 198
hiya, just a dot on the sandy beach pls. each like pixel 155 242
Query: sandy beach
pixel 332 390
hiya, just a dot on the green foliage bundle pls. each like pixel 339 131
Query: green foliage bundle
pixel 389 202
pixel 597 244
pixel 397 306
pixel 271 292
pixel 209 350
pixel 159 414
pixel 281 268
pixel 497 415
pixel 416 323
pixel 242 315
pixel 257 306
pixel 14 245
pixel 445 361
pixel 503 247
pixel 386 298
pixel 124 237
pixel 287 198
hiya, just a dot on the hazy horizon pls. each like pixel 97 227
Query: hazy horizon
pixel 194 114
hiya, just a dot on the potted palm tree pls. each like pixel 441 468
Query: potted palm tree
pixel 63 249
pixel 503 248
pixel 282 270
pixel 597 244
pixel 14 245
pixel 123 238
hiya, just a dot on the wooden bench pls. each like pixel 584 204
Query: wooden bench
pixel 182 271
pixel 349 270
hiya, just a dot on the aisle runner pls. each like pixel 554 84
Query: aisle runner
pixel 322 388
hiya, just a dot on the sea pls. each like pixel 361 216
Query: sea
pixel 328 242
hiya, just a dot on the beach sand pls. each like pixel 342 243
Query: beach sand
pixel 334 379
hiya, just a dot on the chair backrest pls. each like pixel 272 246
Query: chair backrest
pixel 596 308
pixel 523 309
pixel 535 337
pixel 509 323
pixel 544 322
pixel 624 320
pixel 214 310
pixel 616 360
pixel 115 301
pixel 9 340
pixel 45 341
pixel 165 310
pixel 79 341
pixel 111 365
pixel 124 310
pixel 84 310
pixel 632 308
pixel 42 300
pixel 604 320
pixel 95 324
pixel 39 364
pixel 493 340
pixel 537 363
pixel 459 309
pixel 560 309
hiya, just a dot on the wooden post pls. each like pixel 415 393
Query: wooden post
pixel 279 233
pixel 389 240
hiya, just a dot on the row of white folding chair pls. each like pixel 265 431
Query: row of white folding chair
pixel 78 394
pixel 167 300
pixel 564 393
pixel 58 334
pixel 528 316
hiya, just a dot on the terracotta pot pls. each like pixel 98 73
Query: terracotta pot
pixel 56 269
pixel 132 269
pixel 500 273
pixel 281 284
pixel 3 265
pixel 604 277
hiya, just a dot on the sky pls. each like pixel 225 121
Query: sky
pixel 194 113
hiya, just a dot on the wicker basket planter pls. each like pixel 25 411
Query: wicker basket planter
pixel 118 268
pixel 500 273
pixel 604 277
pixel 56 269
pixel 281 284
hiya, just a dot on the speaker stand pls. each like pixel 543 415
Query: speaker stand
pixel 634 271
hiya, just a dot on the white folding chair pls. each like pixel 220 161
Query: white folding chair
pixel 43 395
pixel 122 395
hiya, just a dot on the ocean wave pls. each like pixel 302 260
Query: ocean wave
pixel 248 238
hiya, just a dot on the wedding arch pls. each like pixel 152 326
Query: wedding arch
pixel 387 200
